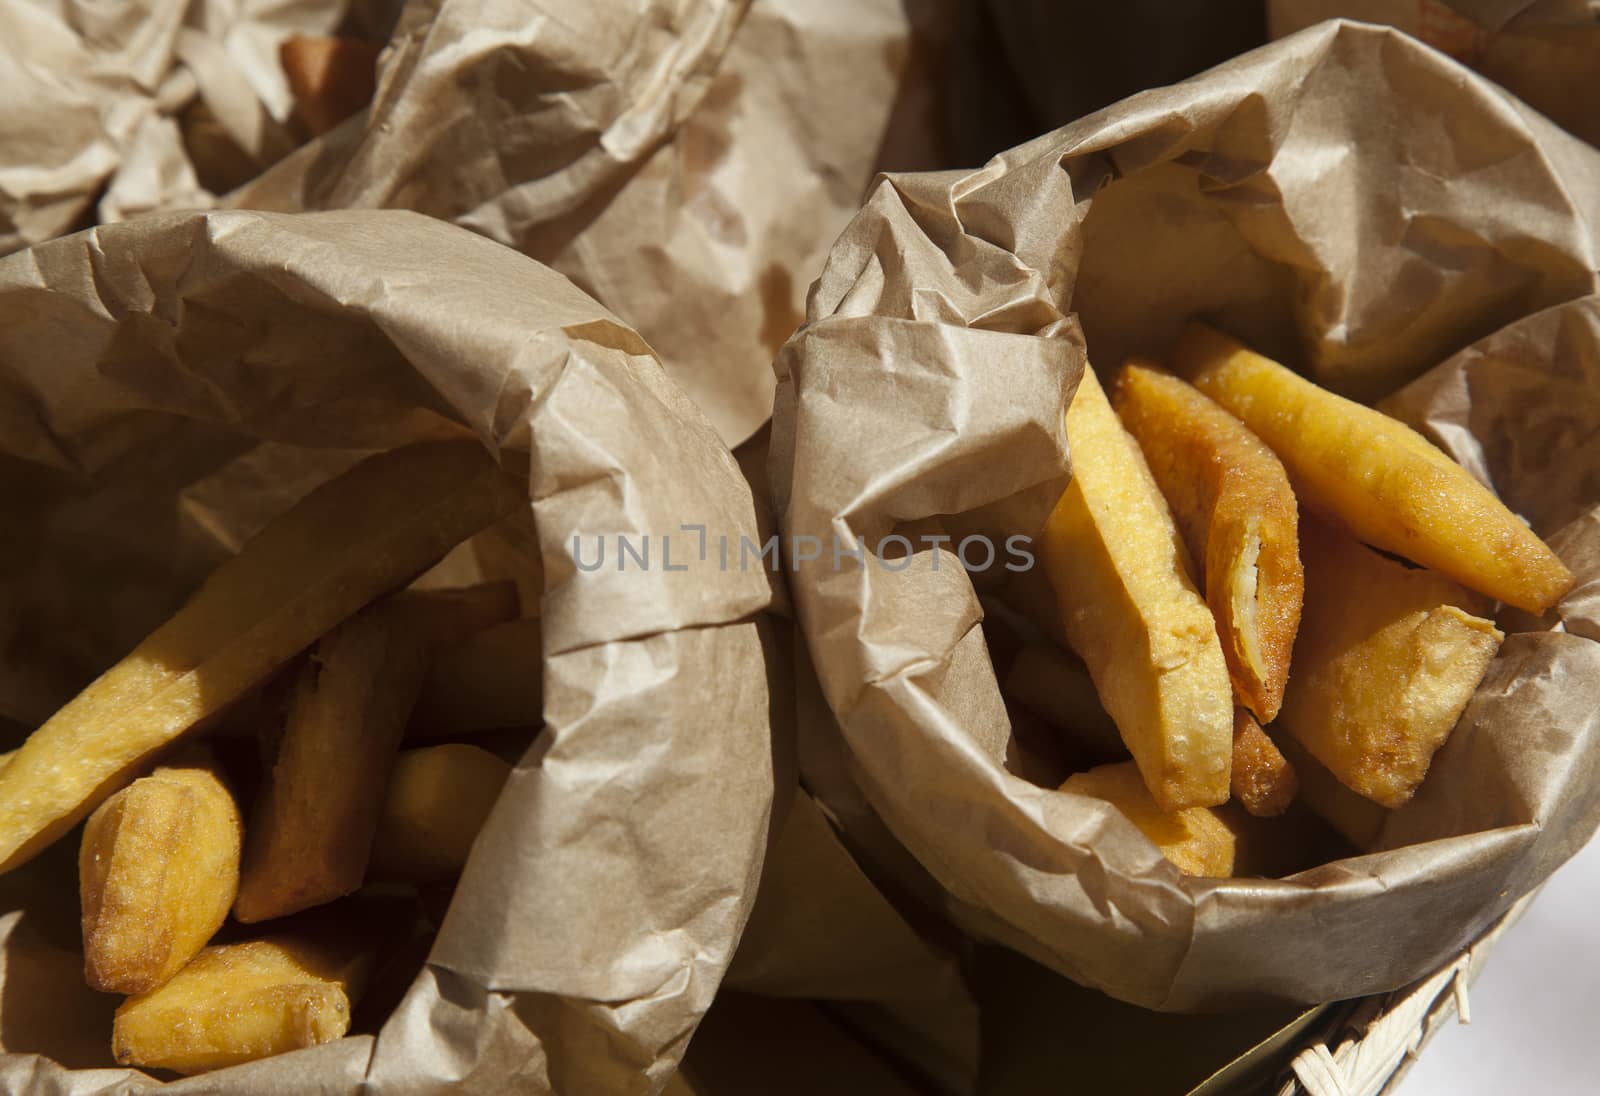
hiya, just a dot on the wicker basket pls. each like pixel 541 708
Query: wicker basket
pixel 1376 1041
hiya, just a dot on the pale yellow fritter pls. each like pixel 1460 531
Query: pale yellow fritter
pixel 1386 661
pixel 1132 614
pixel 1195 839
pixel 1379 477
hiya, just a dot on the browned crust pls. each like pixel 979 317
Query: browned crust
pixel 158 868
pixel 1387 660
pixel 1387 483
pixel 1264 782
pixel 1232 502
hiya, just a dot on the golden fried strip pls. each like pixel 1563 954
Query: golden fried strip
pixel 1264 782
pixel 1385 663
pixel 362 534
pixel 1132 614
pixel 1381 478
pixel 490 680
pixel 158 869
pixel 311 830
pixel 439 798
pixel 1195 839
pixel 1232 502
pixel 240 1002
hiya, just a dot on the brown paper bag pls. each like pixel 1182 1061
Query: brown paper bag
pixel 687 162
pixel 116 109
pixel 168 384
pixel 822 931
pixel 1543 51
pixel 1345 199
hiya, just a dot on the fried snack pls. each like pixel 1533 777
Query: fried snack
pixel 331 78
pixel 1379 477
pixel 1386 660
pixel 1055 685
pixel 490 680
pixel 1231 500
pixel 438 800
pixel 362 534
pixel 1131 613
pixel 311 829
pixel 1264 783
pixel 240 1002
pixel 1196 839
pixel 1357 819
pixel 157 871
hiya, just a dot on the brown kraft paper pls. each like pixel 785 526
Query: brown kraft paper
pixel 688 163
pixel 169 384
pixel 1346 200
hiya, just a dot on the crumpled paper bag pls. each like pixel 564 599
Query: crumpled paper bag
pixel 116 109
pixel 1344 199
pixel 686 162
pixel 1543 51
pixel 821 931
pixel 143 364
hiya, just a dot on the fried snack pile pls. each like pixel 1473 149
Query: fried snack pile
pixel 305 650
pixel 312 828
pixel 1219 566
pixel 365 534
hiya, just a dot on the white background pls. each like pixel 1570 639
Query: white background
pixel 1536 1005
